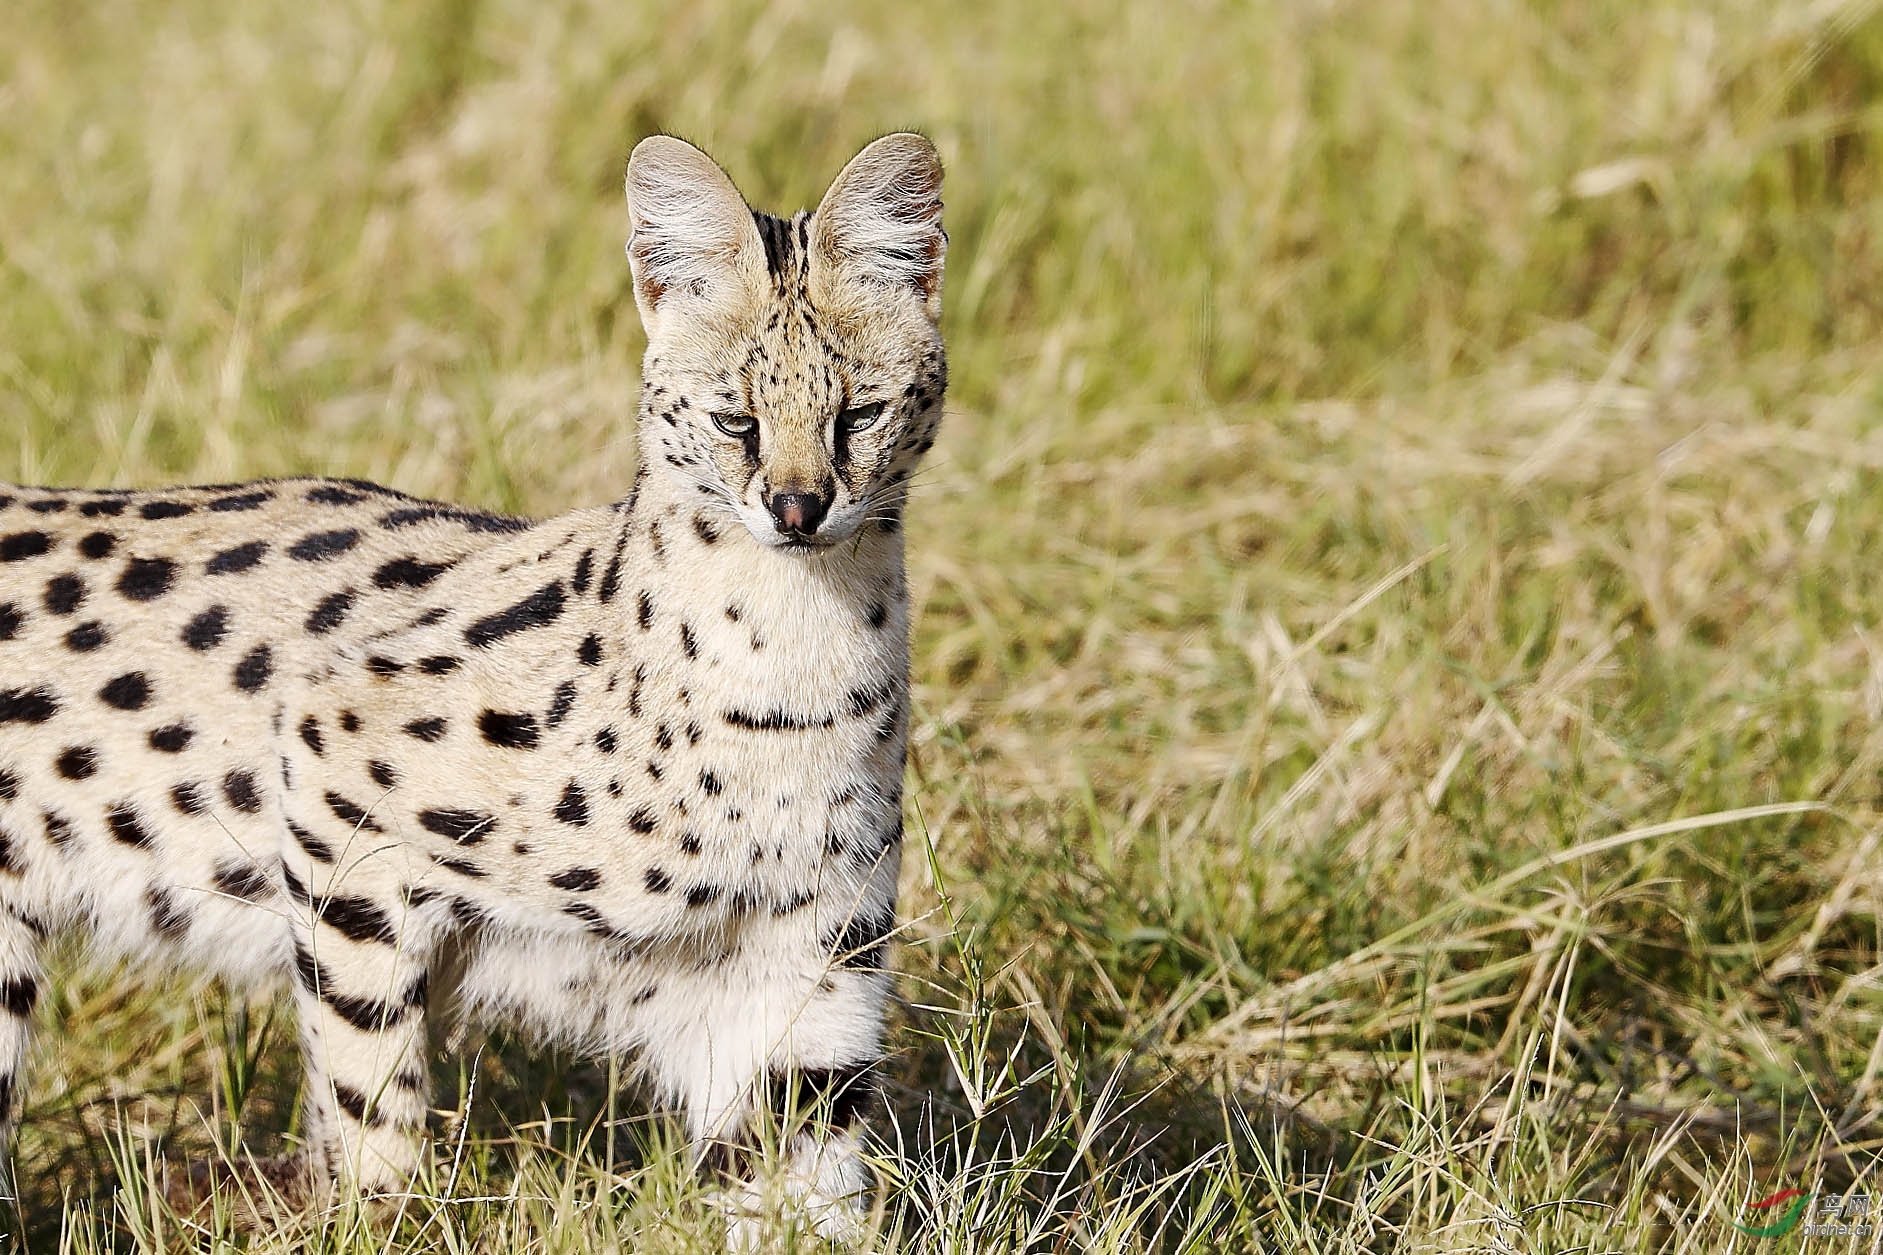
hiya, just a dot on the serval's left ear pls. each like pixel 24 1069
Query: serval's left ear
pixel 881 221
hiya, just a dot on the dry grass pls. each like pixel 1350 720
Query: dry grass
pixel 1400 695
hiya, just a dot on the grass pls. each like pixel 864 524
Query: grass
pixel 1399 683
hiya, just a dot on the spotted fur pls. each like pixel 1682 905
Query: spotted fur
pixel 632 774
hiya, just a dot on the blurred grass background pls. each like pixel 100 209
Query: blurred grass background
pixel 1402 459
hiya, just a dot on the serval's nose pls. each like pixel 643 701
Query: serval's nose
pixel 798 513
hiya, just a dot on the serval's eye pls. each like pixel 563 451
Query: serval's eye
pixel 861 417
pixel 738 426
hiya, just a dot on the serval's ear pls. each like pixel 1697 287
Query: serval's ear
pixel 691 234
pixel 881 221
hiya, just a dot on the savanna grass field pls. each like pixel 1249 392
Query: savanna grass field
pixel 1399 664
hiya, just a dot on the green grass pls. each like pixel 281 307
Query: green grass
pixel 1399 680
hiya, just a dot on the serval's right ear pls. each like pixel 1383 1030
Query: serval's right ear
pixel 692 237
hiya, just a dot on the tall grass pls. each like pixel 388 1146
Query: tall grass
pixel 1399 675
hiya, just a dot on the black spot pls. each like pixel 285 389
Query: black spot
pixel 23 545
pixel 109 508
pixel 540 607
pixel 573 808
pixel 172 738
pixel 332 494
pixel 356 919
pixel 589 652
pixel 605 740
pixel 127 826
pixel 656 880
pixel 349 722
pixel 560 703
pixel 611 578
pixel 11 618
pixel 463 826
pixel 146 579
pixel 254 669
pixel 511 731
pixel 383 667
pixel 700 895
pixel 18 995
pixel 207 629
pixel 34 705
pixel 168 918
pixel 64 593
pixel 878 614
pixel 462 867
pixel 584 572
pixel 240 878
pixel 324 546
pixel 704 529
pixel 475 521
pixel 237 560
pixel 86 637
pixel 97 544
pixel 330 612
pixel 77 762
pixel 239 787
pixel 241 501
pixel 438 664
pixel 862 701
pixel 710 783
pixel 382 774
pixel 576 879
pixel 348 812
pixel 426 729
pixel 187 797
pixel 50 505
pixel 643 820
pixel 688 645
pixel 732 614
pixel 58 829
pixel 166 509
pixel 357 1105
pixel 315 847
pixel 130 691
pixel 408 572
pixel 644 611
pixel 9 786
pixel 663 737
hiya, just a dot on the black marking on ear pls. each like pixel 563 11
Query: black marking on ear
pixel 466 827
pixel 324 546
pixel 236 560
pixel 541 607
pixel 146 579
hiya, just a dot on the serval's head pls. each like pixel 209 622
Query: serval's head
pixel 794 368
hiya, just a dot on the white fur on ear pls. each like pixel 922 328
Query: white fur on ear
pixel 691 231
pixel 881 220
